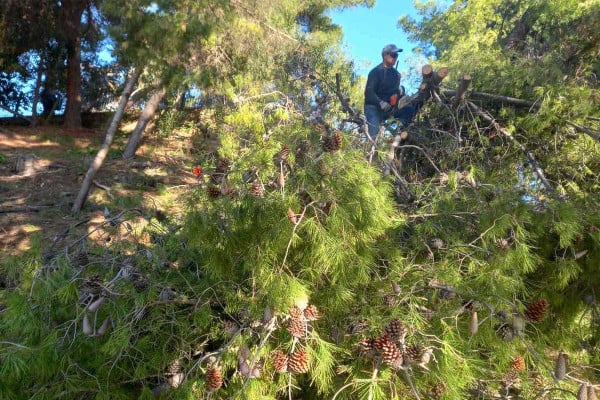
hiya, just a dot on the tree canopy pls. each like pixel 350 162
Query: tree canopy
pixel 299 269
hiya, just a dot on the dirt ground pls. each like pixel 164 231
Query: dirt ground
pixel 41 170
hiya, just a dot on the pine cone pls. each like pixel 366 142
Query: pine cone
pixel 391 354
pixel 381 341
pixel 506 332
pixel 228 191
pixel 223 165
pixel 473 323
pixel 140 282
pixel 282 155
pixel 298 362
pixel 257 189
pixel 413 354
pixel 396 330
pixel 297 323
pixel 81 259
pixel 437 391
pixel 536 311
pixel 322 168
pixel 311 313
pixel 538 382
pixel 280 361
pixel 390 300
pixel 365 346
pixel 333 142
pixel 591 393
pixel 560 371
pixel 302 151
pixel 582 393
pixel 213 192
pixel 510 378
pixel 518 363
pixel 214 379
pixel 92 286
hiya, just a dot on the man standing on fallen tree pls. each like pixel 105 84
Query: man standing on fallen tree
pixel 382 93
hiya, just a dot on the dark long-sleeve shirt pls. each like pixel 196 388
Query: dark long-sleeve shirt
pixel 382 83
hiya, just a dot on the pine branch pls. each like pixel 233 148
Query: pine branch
pixel 585 130
pixel 496 98
pixel 537 170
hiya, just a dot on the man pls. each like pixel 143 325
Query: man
pixel 383 92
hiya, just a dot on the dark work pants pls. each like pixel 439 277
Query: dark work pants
pixel 375 116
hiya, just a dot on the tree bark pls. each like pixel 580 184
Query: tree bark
pixel 145 117
pixel 517 37
pixel 585 130
pixel 110 134
pixel 71 13
pixel 496 98
pixel 36 94
pixel 463 85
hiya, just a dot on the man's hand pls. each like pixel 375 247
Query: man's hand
pixel 385 106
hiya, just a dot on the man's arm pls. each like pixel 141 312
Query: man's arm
pixel 372 82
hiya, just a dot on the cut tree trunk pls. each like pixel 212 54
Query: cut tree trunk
pixel 110 134
pixel 463 85
pixel 430 83
pixel 145 117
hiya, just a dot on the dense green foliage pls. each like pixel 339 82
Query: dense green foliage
pixel 282 217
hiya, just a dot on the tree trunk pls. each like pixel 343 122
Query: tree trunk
pixel 71 13
pixel 145 117
pixel 110 134
pixel 36 93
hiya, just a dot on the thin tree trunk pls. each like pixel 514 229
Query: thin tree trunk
pixel 73 107
pixel 36 94
pixel 70 18
pixel 110 134
pixel 145 117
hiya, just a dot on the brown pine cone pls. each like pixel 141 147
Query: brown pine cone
pixel 299 361
pixel 536 310
pixel 140 282
pixel 214 378
pixel 396 330
pixel 506 332
pixel 511 378
pixel 391 355
pixel 311 313
pixel 297 323
pixel 257 189
pixel 518 363
pixel 81 259
pixel 413 353
pixel 213 192
pixel 284 152
pixel 365 346
pixel 437 391
pixel 381 341
pixel 332 143
pixel 280 361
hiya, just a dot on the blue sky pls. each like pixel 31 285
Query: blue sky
pixel 367 30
